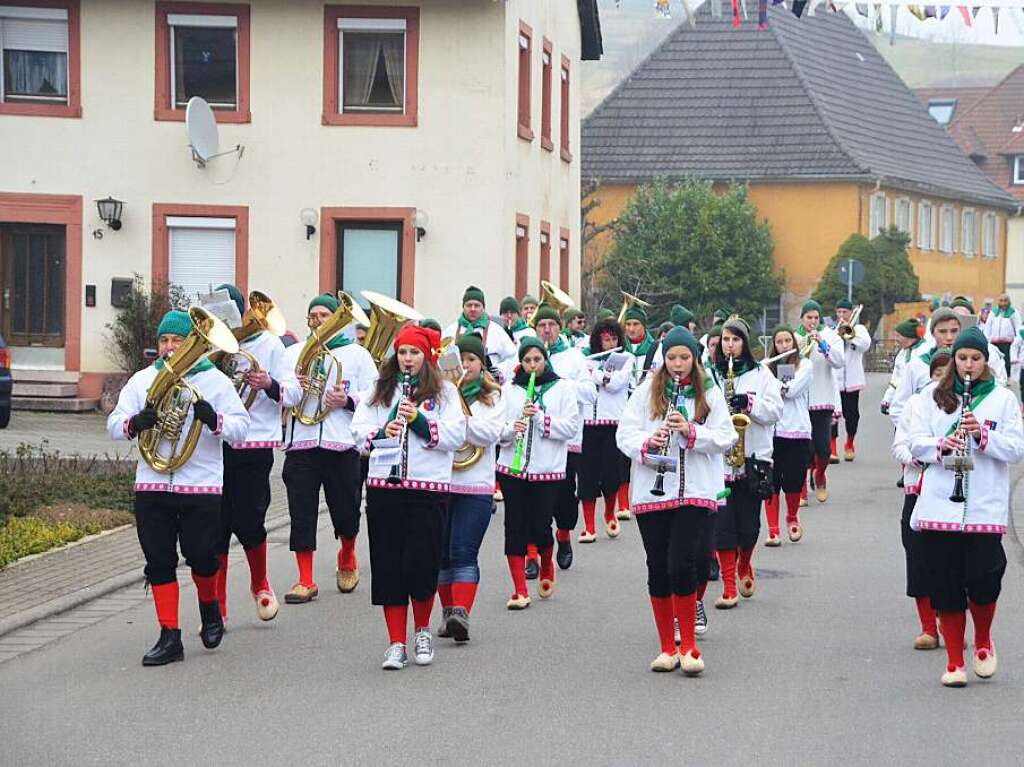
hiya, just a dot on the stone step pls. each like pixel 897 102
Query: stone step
pixel 36 389
pixel 29 375
pixel 54 404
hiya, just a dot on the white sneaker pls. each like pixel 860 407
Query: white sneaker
pixel 423 648
pixel 395 658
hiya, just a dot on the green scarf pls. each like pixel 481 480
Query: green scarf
pixel 740 365
pixel 199 367
pixel 926 358
pixel 558 346
pixel 641 349
pixel 413 383
pixel 574 334
pixel 979 391
pixel 688 393
pixel 918 342
pixel 471 389
pixel 337 342
pixel 998 312
pixel 520 324
pixel 802 331
pixel 480 323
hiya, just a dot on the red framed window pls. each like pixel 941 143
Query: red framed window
pixel 563 258
pixel 564 111
pixel 371 65
pixel 545 251
pixel 197 247
pixel 40 58
pixel 522 252
pixel 525 45
pixel 202 49
pixel 545 101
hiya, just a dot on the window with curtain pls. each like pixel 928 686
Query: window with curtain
pixel 903 216
pixel 372 65
pixel 990 236
pixel 876 220
pixel 925 226
pixel 204 59
pixel 34 64
pixel 969 232
pixel 946 229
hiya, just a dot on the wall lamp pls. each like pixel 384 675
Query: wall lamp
pixel 110 212
pixel 308 217
pixel 420 221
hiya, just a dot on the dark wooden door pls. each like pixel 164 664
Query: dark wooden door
pixel 32 268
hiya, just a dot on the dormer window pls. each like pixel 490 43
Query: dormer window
pixel 1018 169
pixel 942 110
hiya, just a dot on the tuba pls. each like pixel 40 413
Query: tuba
pixel 172 396
pixel 263 315
pixel 387 316
pixel 628 300
pixel 451 368
pixel 737 454
pixel 847 330
pixel 553 297
pixel 317 363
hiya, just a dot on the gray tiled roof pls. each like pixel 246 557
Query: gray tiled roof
pixel 808 99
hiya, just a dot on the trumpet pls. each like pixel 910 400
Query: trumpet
pixel 263 315
pixel 813 339
pixel 172 396
pixel 737 455
pixel 659 479
pixel 848 330
pixel 961 461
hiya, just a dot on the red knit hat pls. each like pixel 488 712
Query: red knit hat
pixel 426 340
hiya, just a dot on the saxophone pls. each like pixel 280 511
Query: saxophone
pixel 737 455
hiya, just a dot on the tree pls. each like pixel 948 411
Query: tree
pixel 134 327
pixel 686 244
pixel 889 276
pixel 593 292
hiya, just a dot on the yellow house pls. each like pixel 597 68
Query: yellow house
pixel 827 137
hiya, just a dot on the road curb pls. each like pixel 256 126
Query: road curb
pixel 91 593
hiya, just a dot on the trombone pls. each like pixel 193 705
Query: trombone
pixel 848 330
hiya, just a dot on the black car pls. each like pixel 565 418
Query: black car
pixel 6 384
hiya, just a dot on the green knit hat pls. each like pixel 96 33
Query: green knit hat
pixel 471 343
pixel 944 314
pixel 720 316
pixel 716 331
pixel 509 304
pixel 680 336
pixel 426 322
pixel 531 342
pixel 571 314
pixel 810 306
pixel 473 293
pixel 680 315
pixel 546 312
pixel 962 301
pixel 665 327
pixel 236 296
pixel 325 300
pixel 175 322
pixel 636 313
pixel 528 300
pixel 844 303
pixel 605 314
pixel 907 328
pixel 972 338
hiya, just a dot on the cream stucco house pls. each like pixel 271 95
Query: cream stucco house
pixel 434 141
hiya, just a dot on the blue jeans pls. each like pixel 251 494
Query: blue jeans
pixel 464 524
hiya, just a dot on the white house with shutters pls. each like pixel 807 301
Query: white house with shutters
pixel 409 148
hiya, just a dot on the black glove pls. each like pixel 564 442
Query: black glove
pixel 205 413
pixel 739 402
pixel 885 408
pixel 145 419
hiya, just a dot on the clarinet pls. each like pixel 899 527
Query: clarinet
pixel 659 480
pixel 397 474
pixel 961 459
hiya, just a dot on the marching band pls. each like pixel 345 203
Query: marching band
pixel 430 429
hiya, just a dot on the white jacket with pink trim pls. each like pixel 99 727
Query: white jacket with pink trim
pixel 986 509
pixel 824 393
pixel 795 422
pixel 427 462
pixel 901 444
pixel 265 413
pixel 699 478
pixel 607 407
pixel 850 377
pixel 571 367
pixel 204 472
pixel 483 428
pixel 1000 329
pixel 552 429
pixel 764 406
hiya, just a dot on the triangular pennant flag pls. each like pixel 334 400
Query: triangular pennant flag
pixel 965 12
pixel 662 9
pixel 918 11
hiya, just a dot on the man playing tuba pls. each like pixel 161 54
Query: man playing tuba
pixel 180 505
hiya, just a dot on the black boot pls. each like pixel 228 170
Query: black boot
pixel 564 555
pixel 168 649
pixel 213 625
pixel 532 569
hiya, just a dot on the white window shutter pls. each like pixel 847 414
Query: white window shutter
pixel 201 258
pixel 33 35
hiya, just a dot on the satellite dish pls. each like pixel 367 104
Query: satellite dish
pixel 201 126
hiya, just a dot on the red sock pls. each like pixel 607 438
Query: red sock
pixel 421 609
pixel 832 445
pixel 609 513
pixel 563 536
pixel 662 607
pixel 531 551
pixel 396 617
pixel 463 595
pixel 793 506
pixel 257 557
pixel 982 616
pixel 589 512
pixel 547 565
pixel 803 491
pixel 444 593
pixel 305 561
pixel 222 584
pixel 206 587
pixel 727 560
pixel 702 589
pixel 347 554
pixel 165 597
pixel 820 467
pixel 771 512
pixel 686 613
pixel 624 496
pixel 849 441
pixel 610 502
pixel 926 615
pixel 953 626
pixel 517 569
pixel 743 566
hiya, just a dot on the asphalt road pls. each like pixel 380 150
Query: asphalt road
pixel 816 669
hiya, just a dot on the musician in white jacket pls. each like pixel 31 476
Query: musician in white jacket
pixel 471 503
pixel 911 345
pixel 540 422
pixel 850 379
pixel 675 428
pixel 962 537
pixel 501 350
pixel 1002 327
pixel 181 506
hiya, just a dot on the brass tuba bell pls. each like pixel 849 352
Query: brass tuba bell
pixel 172 396
pixel 553 297
pixel 628 300
pixel 451 368
pixel 387 316
pixel 262 316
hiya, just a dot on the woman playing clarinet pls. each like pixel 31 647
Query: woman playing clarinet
pixel 675 428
